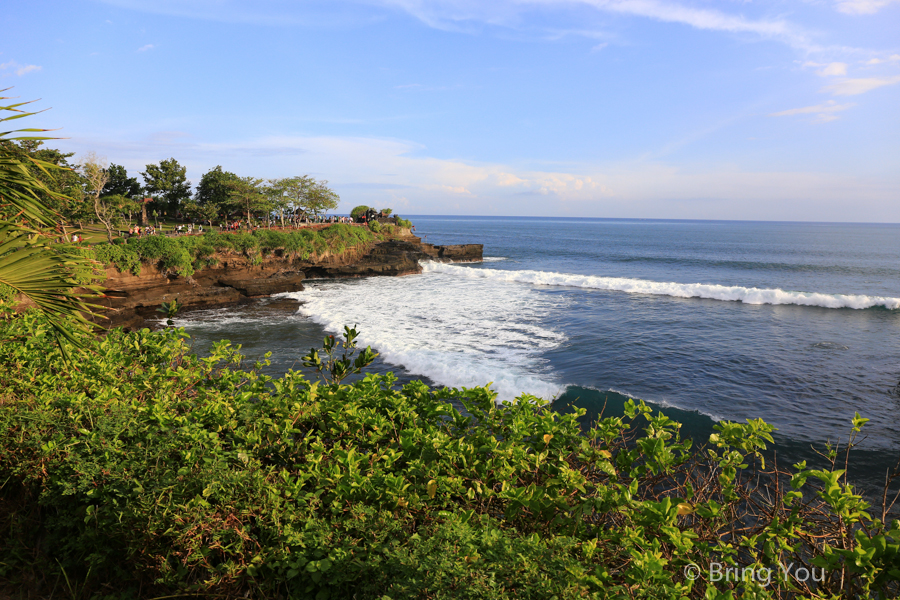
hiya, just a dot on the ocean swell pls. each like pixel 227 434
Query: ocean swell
pixel 747 295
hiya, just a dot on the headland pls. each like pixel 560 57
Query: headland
pixel 232 277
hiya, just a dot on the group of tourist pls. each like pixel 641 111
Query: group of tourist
pixel 304 219
pixel 188 229
pixel 137 231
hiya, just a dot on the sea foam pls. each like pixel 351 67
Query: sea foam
pixel 747 295
pixel 455 331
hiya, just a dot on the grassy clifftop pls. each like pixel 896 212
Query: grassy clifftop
pixel 184 255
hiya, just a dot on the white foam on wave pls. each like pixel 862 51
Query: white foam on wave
pixel 454 331
pixel 662 403
pixel 493 258
pixel 747 295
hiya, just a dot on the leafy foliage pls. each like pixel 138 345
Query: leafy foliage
pixel 359 211
pixel 29 265
pixel 167 180
pixel 336 369
pixel 120 184
pixel 149 468
pixel 184 255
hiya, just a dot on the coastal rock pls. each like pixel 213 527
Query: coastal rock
pixel 233 279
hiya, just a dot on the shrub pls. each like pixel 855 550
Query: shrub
pixel 148 468
pixel 187 254
pixel 358 211
pixel 375 226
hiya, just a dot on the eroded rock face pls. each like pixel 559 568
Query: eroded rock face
pixel 130 299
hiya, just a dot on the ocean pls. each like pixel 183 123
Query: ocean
pixel 794 323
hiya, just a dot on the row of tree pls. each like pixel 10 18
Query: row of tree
pixel 89 189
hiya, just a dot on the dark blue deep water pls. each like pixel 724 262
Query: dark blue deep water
pixel 797 323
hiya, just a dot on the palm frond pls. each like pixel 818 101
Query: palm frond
pixel 28 264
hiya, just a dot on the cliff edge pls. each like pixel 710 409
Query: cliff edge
pixel 233 278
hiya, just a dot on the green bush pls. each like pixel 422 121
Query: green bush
pixel 148 468
pixel 358 211
pixel 404 223
pixel 184 255
pixel 375 226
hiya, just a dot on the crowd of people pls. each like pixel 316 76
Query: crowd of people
pixel 138 231
pixel 294 222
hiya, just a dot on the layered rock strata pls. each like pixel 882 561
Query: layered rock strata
pixel 233 279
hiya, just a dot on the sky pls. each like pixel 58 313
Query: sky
pixel 681 109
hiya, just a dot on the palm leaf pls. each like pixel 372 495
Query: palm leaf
pixel 28 264
pixel 41 273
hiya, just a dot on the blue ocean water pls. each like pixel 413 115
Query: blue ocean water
pixel 797 323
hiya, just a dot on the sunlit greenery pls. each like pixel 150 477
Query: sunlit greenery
pixel 149 470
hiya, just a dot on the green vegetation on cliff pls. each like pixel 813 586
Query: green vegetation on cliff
pixel 150 471
pixel 186 254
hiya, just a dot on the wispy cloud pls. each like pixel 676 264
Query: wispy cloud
pixel 447 13
pixel 19 69
pixel 854 87
pixel 879 61
pixel 828 69
pixel 472 14
pixel 834 69
pixel 146 48
pixel 862 7
pixel 824 112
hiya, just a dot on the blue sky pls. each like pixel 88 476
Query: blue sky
pixel 769 110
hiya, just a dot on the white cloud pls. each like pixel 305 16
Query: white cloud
pixel 145 48
pixel 862 7
pixel 462 14
pixel 878 61
pixel 833 69
pixel 854 87
pixel 19 69
pixel 450 13
pixel 824 112
pixel 828 69
pixel 384 172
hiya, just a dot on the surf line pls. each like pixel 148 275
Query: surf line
pixel 747 295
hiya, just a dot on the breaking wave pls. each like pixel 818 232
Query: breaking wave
pixel 747 295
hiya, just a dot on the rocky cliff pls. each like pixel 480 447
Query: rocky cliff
pixel 233 278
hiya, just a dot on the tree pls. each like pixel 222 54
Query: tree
pixel 167 179
pixel 96 175
pixel 120 183
pixel 202 212
pixel 289 193
pixel 320 198
pixel 247 196
pixel 213 193
pixel 358 212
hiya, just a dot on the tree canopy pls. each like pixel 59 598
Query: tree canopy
pixel 120 184
pixel 168 181
pixel 215 188
pixel 247 196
